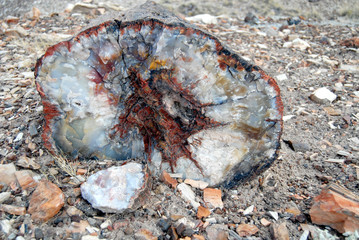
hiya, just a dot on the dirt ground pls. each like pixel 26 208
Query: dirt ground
pixel 319 142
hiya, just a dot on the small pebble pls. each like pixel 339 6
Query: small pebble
pixel 39 234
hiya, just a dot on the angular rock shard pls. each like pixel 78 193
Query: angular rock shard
pixel 336 207
pixel 118 188
pixel 149 85
pixel 46 201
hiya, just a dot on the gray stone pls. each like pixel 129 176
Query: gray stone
pixel 33 129
pixel 4 196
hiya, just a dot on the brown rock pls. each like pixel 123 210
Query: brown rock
pixel 280 231
pixel 175 217
pixel 25 179
pixel 26 162
pixel 144 234
pixel 14 210
pixel 166 178
pixel 72 211
pixel 7 173
pixel 203 212
pixel 265 222
pixel 81 171
pixel 213 197
pixel 294 211
pixel 217 232
pixel 197 237
pixel 332 112
pixel 245 230
pixel 172 233
pixel 46 201
pixel 78 227
pixel 35 13
pixel 12 20
pixel 120 224
pixel 352 42
pixel 196 184
pixel 336 207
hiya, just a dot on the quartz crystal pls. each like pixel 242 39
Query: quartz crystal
pixel 149 85
pixel 117 189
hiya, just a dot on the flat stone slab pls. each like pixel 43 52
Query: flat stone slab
pixel 149 85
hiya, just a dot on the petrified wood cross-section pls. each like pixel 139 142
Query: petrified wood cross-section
pixel 150 85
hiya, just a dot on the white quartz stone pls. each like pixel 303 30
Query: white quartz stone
pixel 116 189
pixel 188 195
pixel 322 95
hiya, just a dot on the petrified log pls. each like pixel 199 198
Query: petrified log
pixel 149 85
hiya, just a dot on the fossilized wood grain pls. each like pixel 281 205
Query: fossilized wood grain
pixel 150 85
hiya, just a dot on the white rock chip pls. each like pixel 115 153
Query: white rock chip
pixel 205 18
pixel 196 184
pixel 274 215
pixel 188 195
pixel 105 224
pixel 297 43
pixel 5 226
pixel 117 189
pixel 89 237
pixel 281 77
pixel 248 210
pixel 288 117
pixel 4 196
pixel 323 95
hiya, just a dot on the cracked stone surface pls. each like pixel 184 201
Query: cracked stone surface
pixel 150 85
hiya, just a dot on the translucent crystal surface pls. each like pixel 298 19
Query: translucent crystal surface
pixel 117 188
pixel 156 87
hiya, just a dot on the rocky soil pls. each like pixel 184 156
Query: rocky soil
pixel 320 143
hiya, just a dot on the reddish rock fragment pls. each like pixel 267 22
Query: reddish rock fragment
pixel 351 42
pixel 166 178
pixel 197 237
pixel 245 230
pixel 196 184
pixel 46 201
pixel 336 207
pixel 25 179
pixel 81 171
pixel 145 234
pixel 279 231
pixel 7 173
pixel 213 197
pixel 15 210
pixel 265 222
pixel 203 212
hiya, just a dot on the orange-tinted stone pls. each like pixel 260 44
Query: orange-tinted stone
pixel 25 179
pixel 14 210
pixel 245 230
pixel 166 178
pixel 203 212
pixel 213 197
pixel 336 207
pixel 280 231
pixel 46 201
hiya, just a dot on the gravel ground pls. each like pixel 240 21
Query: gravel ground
pixel 314 133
